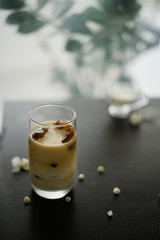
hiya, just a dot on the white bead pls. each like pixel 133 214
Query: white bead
pixel 110 213
pixel 135 119
pixel 81 176
pixel 100 169
pixel 116 190
pixel 27 199
pixel 68 199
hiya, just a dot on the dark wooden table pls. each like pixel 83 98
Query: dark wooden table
pixel 131 157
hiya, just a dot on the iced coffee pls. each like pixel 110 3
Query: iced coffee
pixel 52 158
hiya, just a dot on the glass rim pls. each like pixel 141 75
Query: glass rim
pixel 51 105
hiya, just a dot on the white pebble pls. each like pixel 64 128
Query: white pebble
pixel 68 199
pixel 100 169
pixel 135 119
pixel 81 176
pixel 116 190
pixel 27 200
pixel 110 213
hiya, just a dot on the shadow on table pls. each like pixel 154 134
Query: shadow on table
pixel 51 219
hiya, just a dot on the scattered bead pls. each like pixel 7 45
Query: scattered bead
pixel 100 169
pixel 110 213
pixel 27 200
pixel 81 176
pixel 135 119
pixel 116 190
pixel 68 199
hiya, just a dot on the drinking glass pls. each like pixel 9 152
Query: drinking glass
pixel 52 149
pixel 124 98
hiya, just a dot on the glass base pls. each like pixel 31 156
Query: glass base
pixel 51 194
pixel 119 111
pixel 124 110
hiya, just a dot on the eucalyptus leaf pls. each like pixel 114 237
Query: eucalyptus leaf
pixel 26 21
pixel 102 40
pixel 79 60
pixel 76 24
pixel 30 26
pixel 107 5
pixel 125 79
pixel 73 45
pixel 118 7
pixel 62 7
pixel 12 4
pixel 41 3
pixel 94 15
pixel 18 17
pixel 59 75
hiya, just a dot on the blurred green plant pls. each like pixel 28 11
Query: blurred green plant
pixel 110 26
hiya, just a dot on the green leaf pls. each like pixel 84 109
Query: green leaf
pixel 94 15
pixel 76 24
pixel 18 17
pixel 120 7
pixel 102 40
pixel 62 7
pixel 27 21
pixel 125 79
pixel 108 5
pixel 12 4
pixel 30 26
pixel 41 3
pixel 73 45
